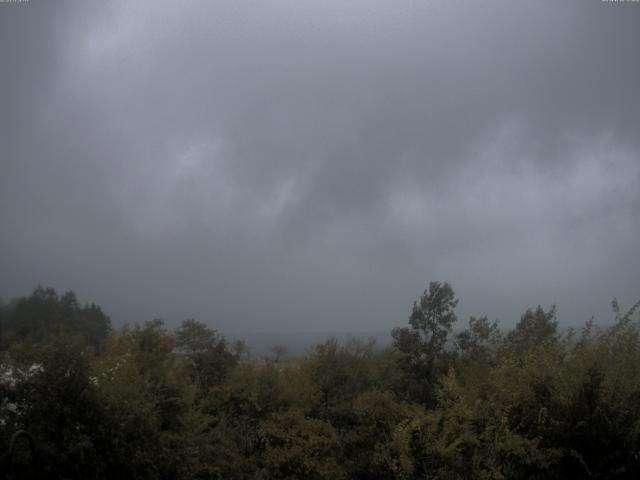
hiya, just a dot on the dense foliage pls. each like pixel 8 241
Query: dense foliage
pixel 146 403
pixel 45 312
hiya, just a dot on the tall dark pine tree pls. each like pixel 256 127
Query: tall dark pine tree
pixel 424 356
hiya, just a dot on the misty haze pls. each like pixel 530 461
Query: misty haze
pixel 295 239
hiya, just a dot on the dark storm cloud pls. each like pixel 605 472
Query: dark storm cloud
pixel 311 165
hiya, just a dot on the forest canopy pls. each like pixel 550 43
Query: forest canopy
pixel 145 402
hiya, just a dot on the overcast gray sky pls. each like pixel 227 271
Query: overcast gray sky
pixel 312 165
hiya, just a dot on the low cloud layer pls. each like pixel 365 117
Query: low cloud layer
pixel 310 166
